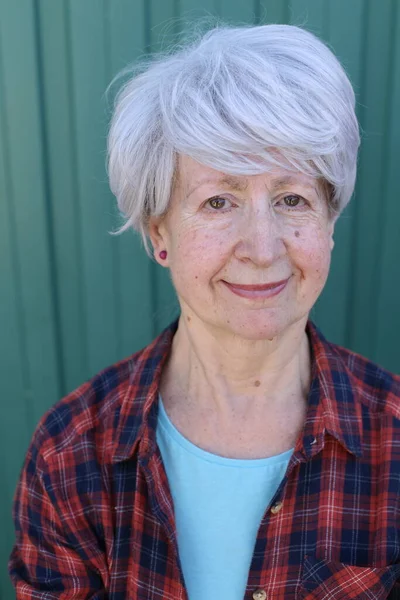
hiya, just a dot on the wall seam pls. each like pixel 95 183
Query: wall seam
pixel 49 217
pixel 352 292
pixel 116 243
pixel 383 214
pixel 76 199
pixel 15 257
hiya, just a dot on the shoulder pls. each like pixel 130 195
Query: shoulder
pixel 86 412
pixel 88 420
pixel 376 387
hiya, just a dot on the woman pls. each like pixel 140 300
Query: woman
pixel 240 455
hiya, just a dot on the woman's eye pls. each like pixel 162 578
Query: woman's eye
pixel 292 200
pixel 217 203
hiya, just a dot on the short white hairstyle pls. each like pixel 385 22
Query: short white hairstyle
pixel 240 100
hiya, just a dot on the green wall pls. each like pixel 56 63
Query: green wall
pixel 75 299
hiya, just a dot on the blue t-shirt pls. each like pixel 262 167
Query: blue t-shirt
pixel 219 503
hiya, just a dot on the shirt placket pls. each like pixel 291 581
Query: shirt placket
pixel 260 584
pixel 161 502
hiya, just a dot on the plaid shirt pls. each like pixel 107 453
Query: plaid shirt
pixel 94 515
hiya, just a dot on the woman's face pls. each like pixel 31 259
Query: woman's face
pixel 228 238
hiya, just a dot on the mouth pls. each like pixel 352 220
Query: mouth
pixel 257 291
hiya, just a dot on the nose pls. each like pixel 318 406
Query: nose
pixel 261 238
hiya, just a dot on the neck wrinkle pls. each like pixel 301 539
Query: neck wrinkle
pixel 203 370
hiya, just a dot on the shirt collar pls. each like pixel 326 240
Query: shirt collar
pixel 135 420
pixel 333 403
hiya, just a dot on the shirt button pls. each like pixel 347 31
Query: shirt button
pixel 276 508
pixel 259 595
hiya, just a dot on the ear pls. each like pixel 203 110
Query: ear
pixel 159 239
pixel 331 230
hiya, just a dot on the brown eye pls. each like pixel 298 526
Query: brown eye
pixel 291 200
pixel 217 203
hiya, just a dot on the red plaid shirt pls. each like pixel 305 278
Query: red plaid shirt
pixel 94 515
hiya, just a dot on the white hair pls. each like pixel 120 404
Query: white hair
pixel 240 100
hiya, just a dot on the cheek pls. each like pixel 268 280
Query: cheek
pixel 198 253
pixel 314 255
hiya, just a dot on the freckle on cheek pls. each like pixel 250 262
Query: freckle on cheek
pixel 189 319
pixel 257 383
pixel 297 233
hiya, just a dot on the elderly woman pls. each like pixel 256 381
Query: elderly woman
pixel 239 455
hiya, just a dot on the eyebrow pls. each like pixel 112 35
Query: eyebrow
pixel 238 184
pixel 241 183
pixel 282 181
pixel 290 180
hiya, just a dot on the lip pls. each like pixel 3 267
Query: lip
pixel 258 291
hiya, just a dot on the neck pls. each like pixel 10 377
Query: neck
pixel 231 376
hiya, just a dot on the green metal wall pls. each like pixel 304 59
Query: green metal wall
pixel 73 298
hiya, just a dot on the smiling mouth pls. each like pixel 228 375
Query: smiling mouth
pixel 257 288
pixel 257 291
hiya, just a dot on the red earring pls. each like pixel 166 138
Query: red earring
pixel 163 254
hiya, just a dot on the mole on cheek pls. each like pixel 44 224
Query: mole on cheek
pixel 189 319
pixel 257 383
pixel 297 233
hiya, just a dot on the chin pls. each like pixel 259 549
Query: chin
pixel 258 326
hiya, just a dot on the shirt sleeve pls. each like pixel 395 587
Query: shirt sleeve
pixel 54 556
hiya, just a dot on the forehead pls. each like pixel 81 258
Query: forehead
pixel 192 174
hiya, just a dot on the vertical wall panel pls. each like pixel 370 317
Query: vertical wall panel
pixel 192 9
pixel 126 28
pixel 238 12
pixel 370 196
pixel 387 291
pixel 163 23
pixel 345 35
pixel 273 11
pixel 311 14
pixel 62 171
pixel 28 328
pixel 26 169
pixel 14 423
pixel 97 211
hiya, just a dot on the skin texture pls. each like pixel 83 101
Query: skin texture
pixel 237 362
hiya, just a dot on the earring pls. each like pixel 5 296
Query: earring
pixel 163 254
